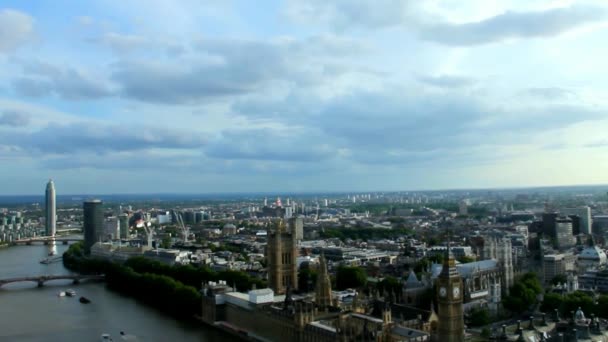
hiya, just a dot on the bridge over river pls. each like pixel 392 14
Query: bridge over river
pixel 40 280
pixel 46 240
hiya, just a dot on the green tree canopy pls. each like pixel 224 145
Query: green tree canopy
pixel 523 294
pixel 350 277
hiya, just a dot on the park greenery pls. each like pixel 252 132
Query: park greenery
pixel 478 317
pixel 172 289
pixel 524 294
pixel 350 278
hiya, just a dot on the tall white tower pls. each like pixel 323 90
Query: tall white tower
pixel 50 209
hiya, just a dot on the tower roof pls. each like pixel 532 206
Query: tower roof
pixel 449 263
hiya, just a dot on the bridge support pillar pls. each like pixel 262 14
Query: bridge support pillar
pixel 46 242
pixel 28 243
pixel 65 242
pixel 76 281
pixel 40 283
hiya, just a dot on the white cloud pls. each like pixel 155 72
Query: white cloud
pixel 15 29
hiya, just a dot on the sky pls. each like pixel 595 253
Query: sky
pixel 188 96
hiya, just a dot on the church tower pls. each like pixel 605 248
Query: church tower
pixel 449 294
pixel 281 253
pixel 323 286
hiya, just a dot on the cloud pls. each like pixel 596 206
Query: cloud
pixel 343 14
pixel 549 93
pixel 597 144
pixel 269 145
pixel 121 43
pixel 447 81
pixel 14 119
pixel 233 67
pixel 16 28
pixel 103 138
pixel 510 25
pixel 43 79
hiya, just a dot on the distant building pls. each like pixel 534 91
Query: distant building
pixel 92 223
pixel 548 224
pixel 281 252
pixel 563 233
pixel 592 257
pixel 123 220
pixel 50 209
pixel 584 213
pixel 463 208
pixel 600 225
pixel 111 228
pixel 500 249
pixel 229 229
pixel 554 264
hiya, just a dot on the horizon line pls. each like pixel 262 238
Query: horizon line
pixel 317 192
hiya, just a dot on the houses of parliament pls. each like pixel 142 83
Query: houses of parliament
pixel 281 313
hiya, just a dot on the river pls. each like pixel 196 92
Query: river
pixel 29 313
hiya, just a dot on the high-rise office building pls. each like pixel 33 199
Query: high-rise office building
pixel 563 233
pixel 584 213
pixel 50 209
pixel 123 220
pixel 92 222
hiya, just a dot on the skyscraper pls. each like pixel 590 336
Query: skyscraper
pixel 92 222
pixel 123 219
pixel 50 209
pixel 585 216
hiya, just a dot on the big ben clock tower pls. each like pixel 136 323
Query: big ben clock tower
pixel 450 327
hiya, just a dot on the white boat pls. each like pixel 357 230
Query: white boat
pixel 70 293
pixel 61 294
pixel 105 338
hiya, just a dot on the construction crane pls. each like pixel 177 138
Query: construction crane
pixel 149 232
pixel 184 230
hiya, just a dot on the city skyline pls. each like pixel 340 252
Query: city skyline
pixel 301 96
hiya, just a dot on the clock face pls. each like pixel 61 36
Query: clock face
pixel 456 291
pixel 443 292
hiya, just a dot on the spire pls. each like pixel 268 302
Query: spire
pixel 281 226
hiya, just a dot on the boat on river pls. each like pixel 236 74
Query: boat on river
pixel 61 294
pixel 70 293
pixel 84 300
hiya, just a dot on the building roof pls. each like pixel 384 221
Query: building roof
pixel 593 253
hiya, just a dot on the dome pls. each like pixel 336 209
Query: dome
pixel 593 254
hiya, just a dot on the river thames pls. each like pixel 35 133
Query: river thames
pixel 29 313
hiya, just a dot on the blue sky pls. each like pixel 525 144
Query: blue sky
pixel 303 95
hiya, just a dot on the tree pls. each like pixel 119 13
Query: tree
pixel 559 279
pixel 166 242
pixel 551 301
pixel 350 277
pixel 389 285
pixel 523 294
pixel 466 259
pixel 307 279
pixel 479 317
